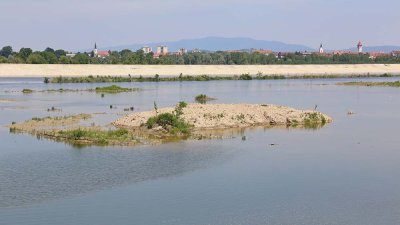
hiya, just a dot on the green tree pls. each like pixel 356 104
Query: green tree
pixel 50 57
pixel 15 59
pixel 64 60
pixel 25 52
pixel 6 51
pixel 36 58
pixel 48 49
pixel 81 58
pixel 60 53
pixel 3 59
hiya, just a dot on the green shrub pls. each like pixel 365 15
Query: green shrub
pixel 27 91
pixel 114 89
pixel 179 108
pixel 245 77
pixel 170 122
pixel 202 98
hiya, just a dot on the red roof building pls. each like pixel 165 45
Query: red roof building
pixel 103 54
pixel 263 52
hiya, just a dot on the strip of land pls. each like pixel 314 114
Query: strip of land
pixel 6 100
pixel 372 84
pixel 55 70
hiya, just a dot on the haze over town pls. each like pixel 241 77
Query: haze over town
pixel 75 25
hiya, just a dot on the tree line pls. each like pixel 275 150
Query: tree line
pixel 51 56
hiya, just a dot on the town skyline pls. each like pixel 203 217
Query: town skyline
pixel 120 22
pixel 177 45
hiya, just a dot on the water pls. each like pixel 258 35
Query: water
pixel 345 173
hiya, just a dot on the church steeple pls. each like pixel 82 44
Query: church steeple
pixel 321 49
pixel 95 50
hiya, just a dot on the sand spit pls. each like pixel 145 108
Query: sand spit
pixel 48 123
pixel 220 116
pixel 53 70
pixel 6 101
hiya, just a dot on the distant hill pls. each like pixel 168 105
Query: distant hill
pixel 220 43
pixel 238 43
pixel 383 48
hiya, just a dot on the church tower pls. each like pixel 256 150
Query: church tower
pixel 360 47
pixel 95 49
pixel 321 49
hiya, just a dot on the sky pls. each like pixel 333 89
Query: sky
pixel 77 24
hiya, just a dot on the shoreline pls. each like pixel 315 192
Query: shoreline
pixel 75 70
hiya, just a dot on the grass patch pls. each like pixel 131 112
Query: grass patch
pixel 93 136
pixel 27 91
pixel 36 123
pixel 202 99
pixel 157 78
pixel 313 120
pixel 114 89
pixel 372 84
pixel 245 77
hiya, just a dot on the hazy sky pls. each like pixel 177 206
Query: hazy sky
pixel 77 24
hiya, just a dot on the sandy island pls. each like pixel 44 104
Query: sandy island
pixel 133 129
pixel 219 116
pixel 52 70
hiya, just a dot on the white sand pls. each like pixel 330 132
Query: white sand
pixel 210 116
pixel 6 100
pixel 29 70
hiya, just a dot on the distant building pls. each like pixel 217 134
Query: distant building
pixel 395 53
pixel 162 50
pixel 196 50
pixel 342 53
pixel 374 55
pixel 262 51
pixel 360 47
pixel 321 49
pixel 100 54
pixel 182 51
pixel 147 49
pixel 70 54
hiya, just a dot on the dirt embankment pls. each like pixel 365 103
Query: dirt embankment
pixel 54 70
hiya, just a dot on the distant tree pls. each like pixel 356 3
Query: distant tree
pixel 3 59
pixel 60 53
pixel 64 60
pixel 36 58
pixel 48 49
pixel 81 58
pixel 15 59
pixel 50 57
pixel 125 52
pixel 25 52
pixel 6 51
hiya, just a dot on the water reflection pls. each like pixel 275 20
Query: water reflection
pixel 53 175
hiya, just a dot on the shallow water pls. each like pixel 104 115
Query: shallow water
pixel 345 173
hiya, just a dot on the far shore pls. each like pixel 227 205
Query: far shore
pixel 73 70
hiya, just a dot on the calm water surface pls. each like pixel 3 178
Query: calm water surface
pixel 345 173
